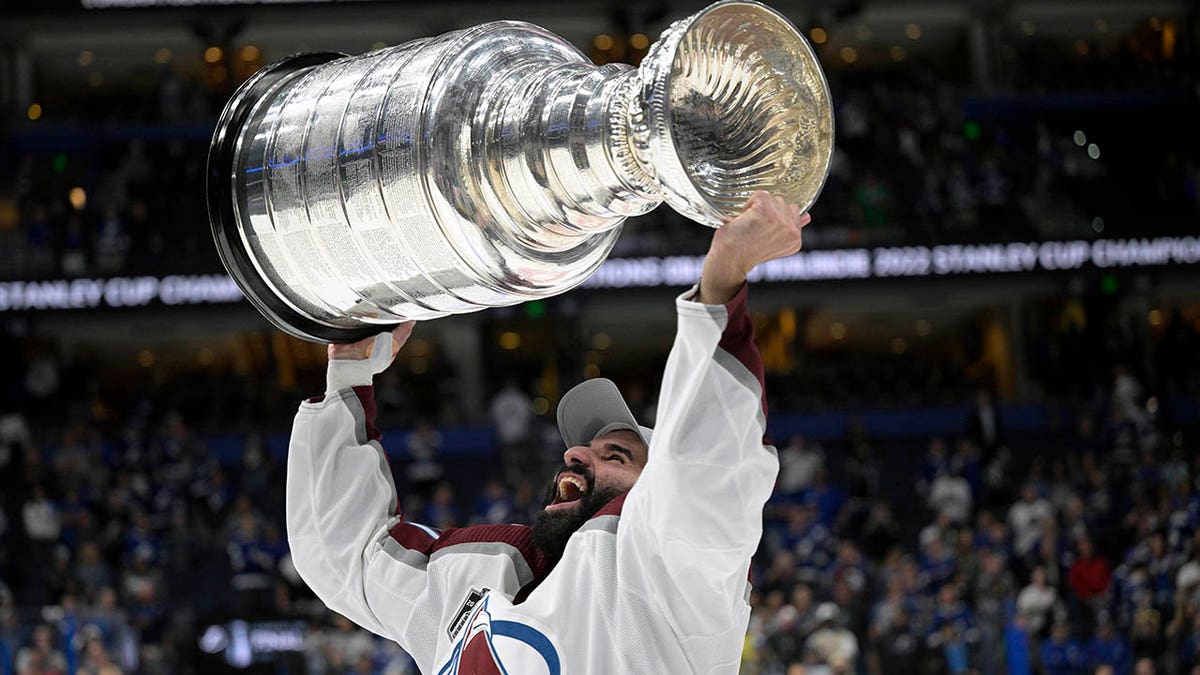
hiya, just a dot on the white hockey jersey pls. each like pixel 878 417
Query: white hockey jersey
pixel 656 582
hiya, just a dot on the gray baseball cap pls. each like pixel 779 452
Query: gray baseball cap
pixel 593 408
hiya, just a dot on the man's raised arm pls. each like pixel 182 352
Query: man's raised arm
pixel 691 523
pixel 340 494
pixel 349 542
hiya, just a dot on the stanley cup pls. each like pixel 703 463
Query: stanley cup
pixel 495 165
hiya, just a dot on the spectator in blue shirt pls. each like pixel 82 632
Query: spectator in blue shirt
pixel 952 630
pixel 1017 648
pixel 1109 649
pixel 1062 655
pixel 1189 647
pixel 494 504
pixel 827 498
pixel 938 566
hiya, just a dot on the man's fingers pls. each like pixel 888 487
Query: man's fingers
pixel 777 205
pixel 777 218
pixel 363 349
pixel 403 330
pixel 352 351
pixel 400 335
pixel 758 200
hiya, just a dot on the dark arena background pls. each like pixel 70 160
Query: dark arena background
pixel 982 371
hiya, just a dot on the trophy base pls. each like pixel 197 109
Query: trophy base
pixel 230 246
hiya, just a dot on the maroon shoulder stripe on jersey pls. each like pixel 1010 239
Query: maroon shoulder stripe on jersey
pixel 520 537
pixel 366 399
pixel 738 339
pixel 412 537
pixel 366 396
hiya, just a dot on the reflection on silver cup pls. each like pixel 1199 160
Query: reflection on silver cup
pixel 495 165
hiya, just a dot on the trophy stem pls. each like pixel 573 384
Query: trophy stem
pixel 629 137
pixel 563 153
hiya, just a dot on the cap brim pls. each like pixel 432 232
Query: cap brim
pixel 595 407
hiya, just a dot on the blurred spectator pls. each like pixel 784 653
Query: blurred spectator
pixel 39 515
pixel 1026 519
pixel 827 497
pixel 1127 396
pixel 983 424
pixel 881 532
pixel 511 414
pixel 938 566
pixel 525 502
pixel 1189 644
pixel 942 529
pixel 1061 655
pixel 1036 601
pixel 14 440
pixel 424 470
pixel 786 627
pixel 799 463
pixel 1109 649
pixel 935 464
pixel 1144 666
pixel 95 659
pixel 993 590
pixel 1146 634
pixel 897 648
pixel 253 562
pixel 441 512
pixel 1089 578
pixel 494 506
pixel 951 494
pixel 1018 647
pixel 952 632
pixel 831 645
pixel 337 650
pixel 91 572
pixel 1187 580
pixel 40 656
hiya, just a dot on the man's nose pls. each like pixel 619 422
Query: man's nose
pixel 579 454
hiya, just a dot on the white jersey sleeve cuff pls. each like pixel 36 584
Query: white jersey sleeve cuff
pixel 346 374
pixel 687 306
pixel 689 295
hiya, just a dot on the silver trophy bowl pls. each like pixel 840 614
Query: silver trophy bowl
pixel 495 165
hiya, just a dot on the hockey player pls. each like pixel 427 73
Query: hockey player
pixel 639 561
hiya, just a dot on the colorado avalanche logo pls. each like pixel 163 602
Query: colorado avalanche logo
pixel 501 648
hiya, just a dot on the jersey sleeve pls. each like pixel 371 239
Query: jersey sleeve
pixel 361 556
pixel 694 518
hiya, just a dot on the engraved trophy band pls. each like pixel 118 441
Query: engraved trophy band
pixel 495 165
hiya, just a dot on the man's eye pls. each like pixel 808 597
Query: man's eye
pixel 617 456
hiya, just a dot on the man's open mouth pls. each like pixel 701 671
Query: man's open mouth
pixel 571 488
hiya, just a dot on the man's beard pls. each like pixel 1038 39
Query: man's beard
pixel 552 529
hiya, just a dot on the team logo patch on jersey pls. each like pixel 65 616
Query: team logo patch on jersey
pixel 464 612
pixel 498 647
